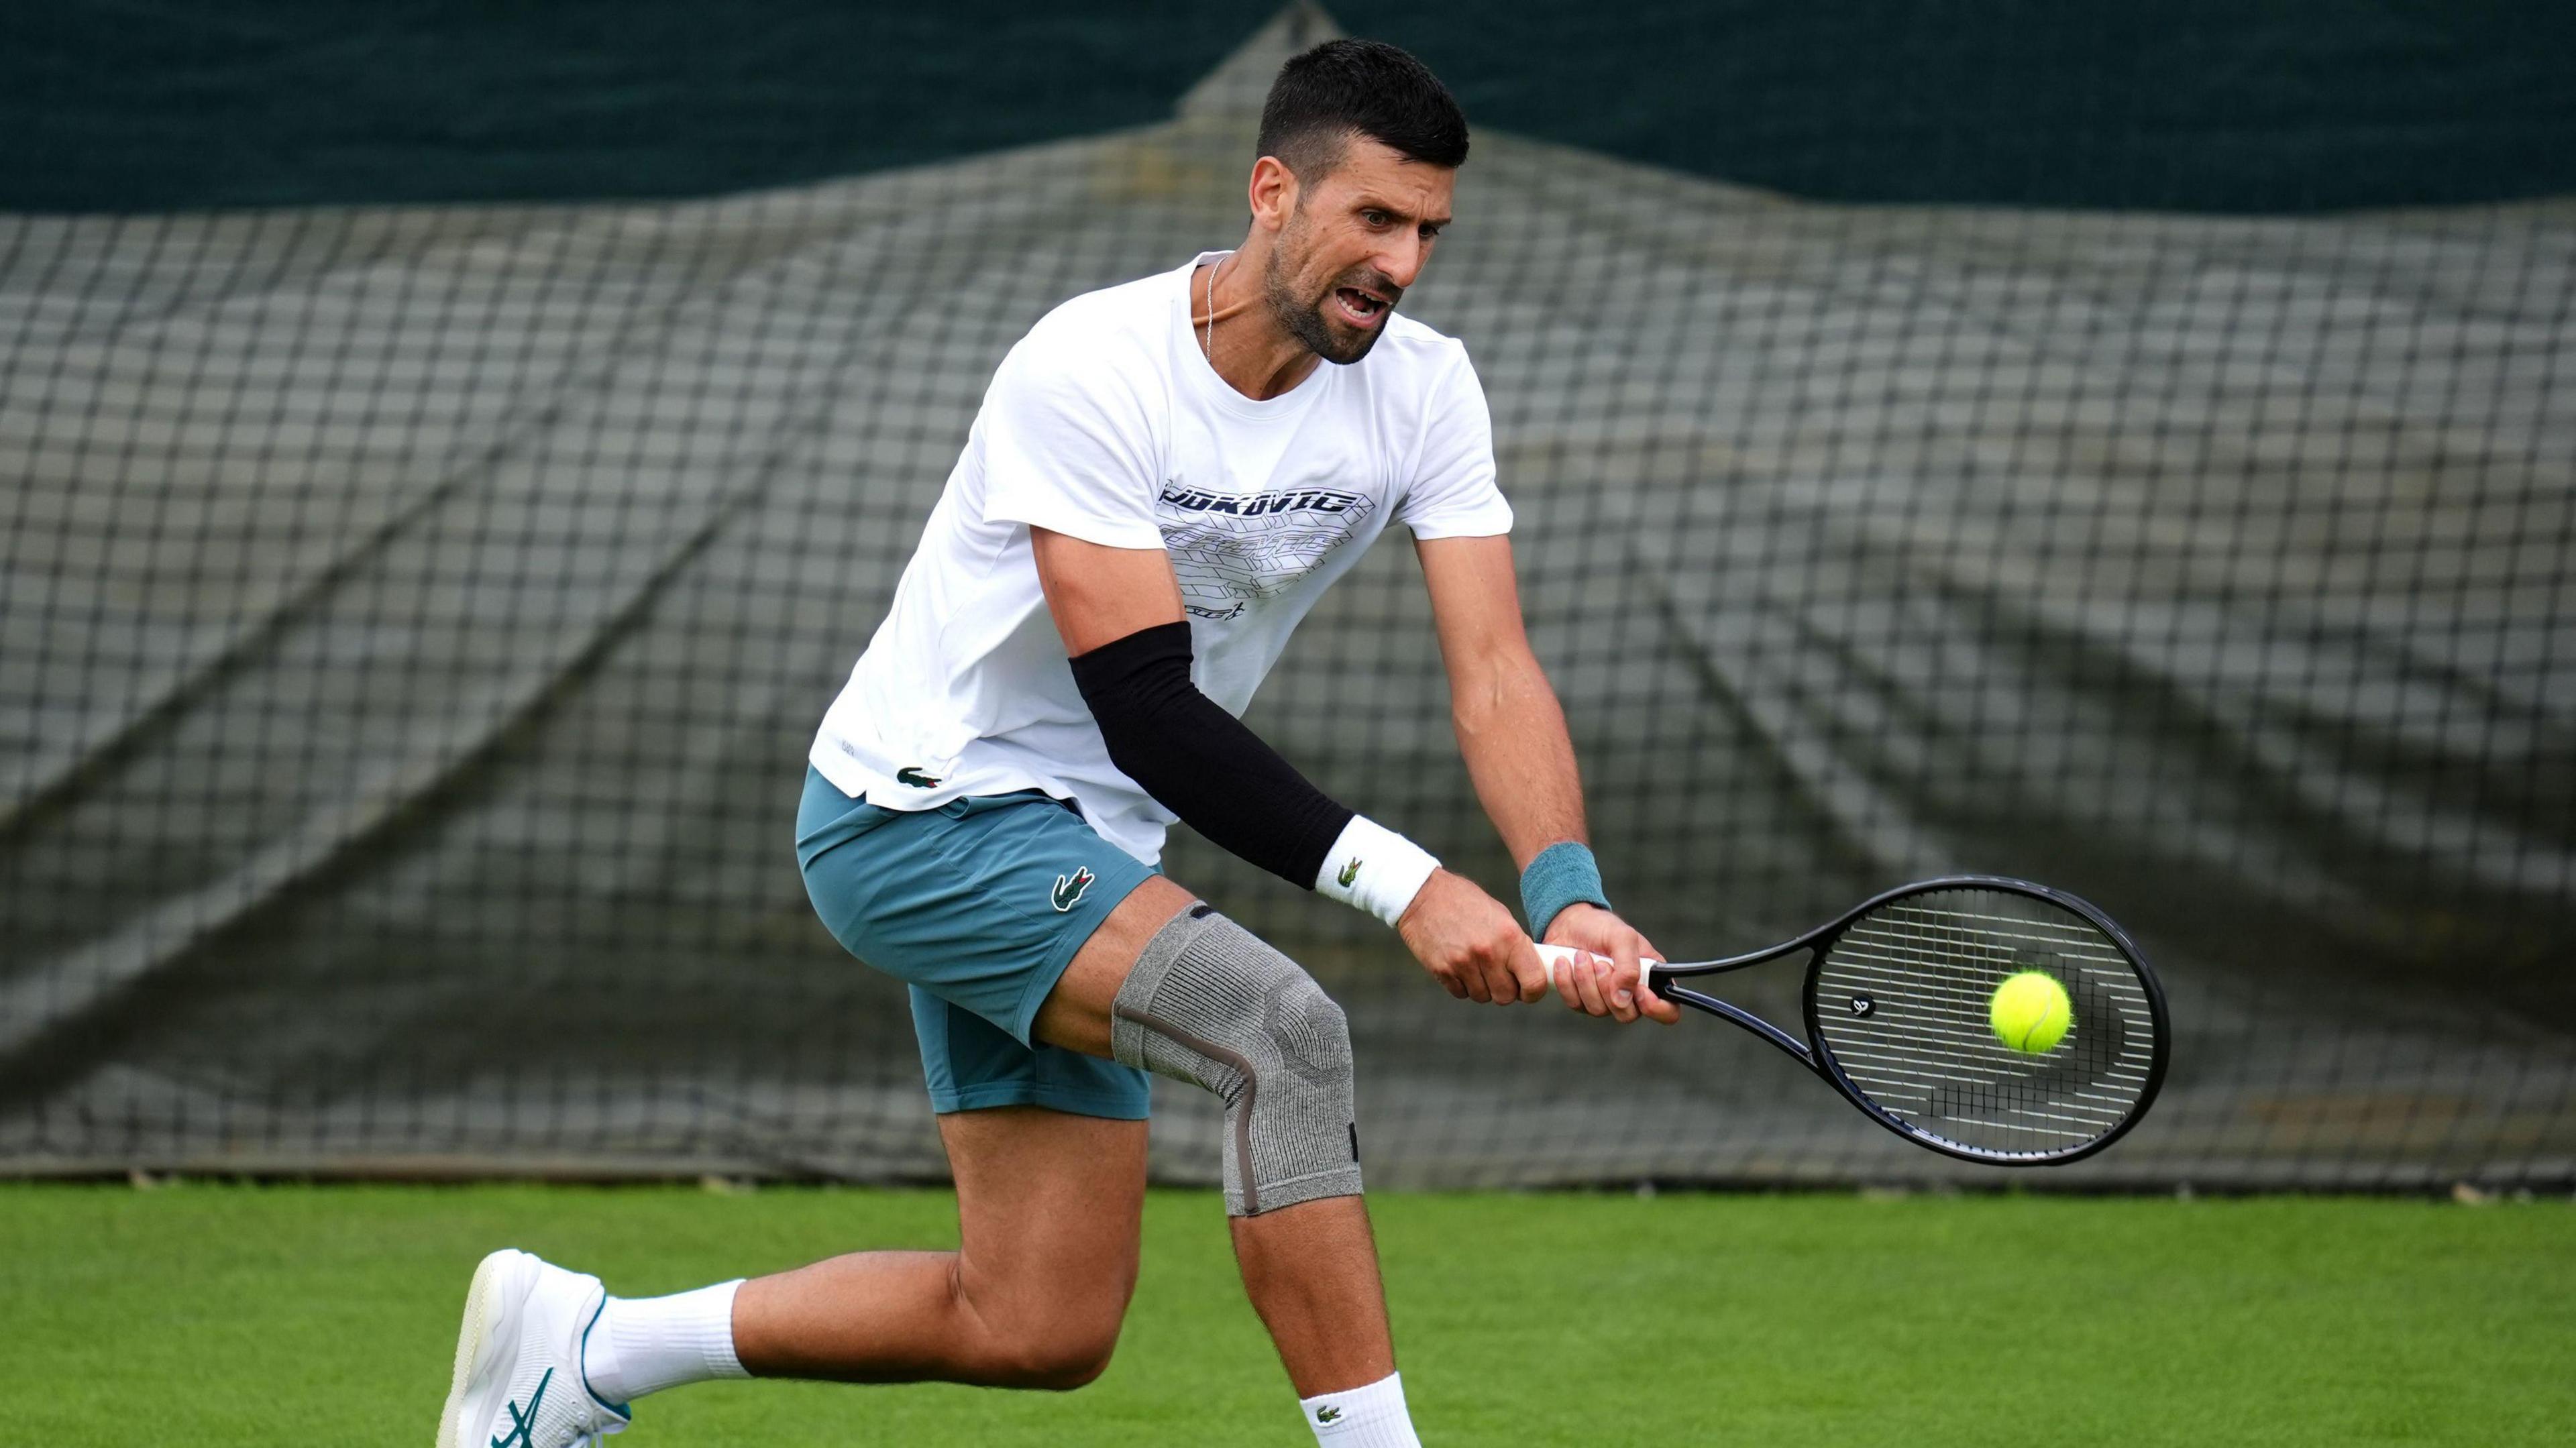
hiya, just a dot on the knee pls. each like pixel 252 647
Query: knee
pixel 1054 1357
pixel 1057 1347
pixel 1208 1002
pixel 1314 1032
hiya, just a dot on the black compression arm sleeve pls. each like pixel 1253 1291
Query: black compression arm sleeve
pixel 1200 761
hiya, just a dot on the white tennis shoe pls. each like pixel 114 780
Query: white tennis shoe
pixel 519 1382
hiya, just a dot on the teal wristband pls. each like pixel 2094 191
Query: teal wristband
pixel 1563 874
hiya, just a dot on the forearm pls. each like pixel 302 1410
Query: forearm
pixel 1202 763
pixel 1511 732
pixel 1205 766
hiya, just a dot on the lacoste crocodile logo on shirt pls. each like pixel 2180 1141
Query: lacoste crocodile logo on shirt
pixel 1349 873
pixel 914 777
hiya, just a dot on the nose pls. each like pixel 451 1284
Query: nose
pixel 1401 260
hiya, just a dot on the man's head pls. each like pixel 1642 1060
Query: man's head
pixel 1360 149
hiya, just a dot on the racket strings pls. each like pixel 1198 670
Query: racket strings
pixel 1903 1000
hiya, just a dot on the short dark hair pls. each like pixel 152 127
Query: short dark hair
pixel 1344 88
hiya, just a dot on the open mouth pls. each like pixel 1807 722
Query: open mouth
pixel 1359 308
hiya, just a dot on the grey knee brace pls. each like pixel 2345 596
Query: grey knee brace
pixel 1208 1003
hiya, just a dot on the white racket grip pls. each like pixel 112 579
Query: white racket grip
pixel 1553 956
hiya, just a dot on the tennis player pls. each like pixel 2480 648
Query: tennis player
pixel 1164 477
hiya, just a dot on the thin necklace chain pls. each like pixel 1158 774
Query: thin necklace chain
pixel 1207 342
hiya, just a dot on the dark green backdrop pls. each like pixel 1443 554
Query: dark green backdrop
pixel 2183 104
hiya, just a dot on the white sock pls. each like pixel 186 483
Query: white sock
pixel 1370 1417
pixel 645 1344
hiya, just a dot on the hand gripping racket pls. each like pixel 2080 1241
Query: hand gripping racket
pixel 1897 1013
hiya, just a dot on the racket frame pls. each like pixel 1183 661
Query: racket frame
pixel 1813 1054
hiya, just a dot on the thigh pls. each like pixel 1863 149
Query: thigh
pixel 981 901
pixel 970 1064
pixel 1050 1208
pixel 1075 1014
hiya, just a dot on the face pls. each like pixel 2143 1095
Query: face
pixel 1348 245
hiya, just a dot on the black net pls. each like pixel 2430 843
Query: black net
pixel 413 619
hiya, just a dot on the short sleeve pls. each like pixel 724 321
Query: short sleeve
pixel 1454 493
pixel 1069 447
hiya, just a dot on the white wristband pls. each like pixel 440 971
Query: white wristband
pixel 1375 869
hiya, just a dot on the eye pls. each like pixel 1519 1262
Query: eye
pixel 1431 233
pixel 1375 217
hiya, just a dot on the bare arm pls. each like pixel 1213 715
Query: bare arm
pixel 1510 728
pixel 1100 595
pixel 1511 732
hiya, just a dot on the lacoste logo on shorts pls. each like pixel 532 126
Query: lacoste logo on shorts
pixel 1069 888
pixel 915 778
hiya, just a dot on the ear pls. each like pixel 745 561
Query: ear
pixel 1273 193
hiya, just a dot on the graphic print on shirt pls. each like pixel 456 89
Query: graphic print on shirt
pixel 1227 548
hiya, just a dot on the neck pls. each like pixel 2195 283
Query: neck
pixel 1244 341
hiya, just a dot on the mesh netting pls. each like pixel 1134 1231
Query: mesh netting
pixel 412 621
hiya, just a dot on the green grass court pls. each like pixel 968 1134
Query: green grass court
pixel 217 1315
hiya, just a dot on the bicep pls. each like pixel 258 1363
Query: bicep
pixel 1475 603
pixel 1101 594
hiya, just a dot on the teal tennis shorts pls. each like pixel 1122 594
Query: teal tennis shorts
pixel 978 905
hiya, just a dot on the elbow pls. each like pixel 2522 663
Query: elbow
pixel 1472 710
pixel 1133 757
pixel 1142 728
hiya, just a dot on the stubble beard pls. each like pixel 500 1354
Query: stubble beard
pixel 1304 320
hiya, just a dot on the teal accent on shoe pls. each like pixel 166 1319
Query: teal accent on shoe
pixel 622 1410
pixel 524 1423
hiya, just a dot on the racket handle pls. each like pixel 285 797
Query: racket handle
pixel 1555 956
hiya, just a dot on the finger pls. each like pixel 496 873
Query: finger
pixel 1649 1003
pixel 1621 987
pixel 1654 1005
pixel 1473 978
pixel 1589 968
pixel 1500 979
pixel 1451 984
pixel 1529 976
pixel 1563 976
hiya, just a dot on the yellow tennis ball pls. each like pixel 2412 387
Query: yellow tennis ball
pixel 2030 1012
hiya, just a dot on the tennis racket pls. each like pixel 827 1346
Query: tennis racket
pixel 1896 1005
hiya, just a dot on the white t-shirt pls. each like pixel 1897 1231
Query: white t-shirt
pixel 1106 423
